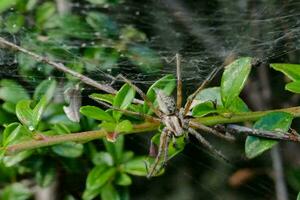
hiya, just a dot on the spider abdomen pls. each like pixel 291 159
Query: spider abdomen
pixel 165 103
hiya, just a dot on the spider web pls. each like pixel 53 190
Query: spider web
pixel 206 34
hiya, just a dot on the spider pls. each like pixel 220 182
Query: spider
pixel 174 117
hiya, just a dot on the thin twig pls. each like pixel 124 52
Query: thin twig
pixel 140 128
pixel 63 68
pixel 274 135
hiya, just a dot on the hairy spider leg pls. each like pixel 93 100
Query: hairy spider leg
pixel 142 94
pixel 164 141
pixel 179 82
pixel 227 136
pixel 192 97
pixel 145 116
pixel 203 141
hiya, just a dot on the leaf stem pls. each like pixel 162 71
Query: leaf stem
pixel 140 128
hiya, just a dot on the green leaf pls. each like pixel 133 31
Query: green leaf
pixel 74 26
pixel 68 149
pixel 203 109
pixel 101 158
pixel 116 148
pixel 109 193
pixel 45 88
pixel 16 191
pixel 96 113
pixel 102 24
pixel 38 111
pixel 11 91
pixel 108 126
pixel 210 94
pixel 30 117
pixel 238 105
pixel 12 160
pixel 123 180
pixel 293 87
pixel 6 4
pixel 124 126
pixel 24 113
pixel 123 99
pixel 96 179
pixel 167 84
pixel 108 98
pixel 136 166
pixel 234 79
pixel 290 70
pixel 298 196
pixel 14 22
pixel 275 121
pixel 9 107
pixel 45 12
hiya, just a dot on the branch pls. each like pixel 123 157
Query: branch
pixel 62 67
pixel 140 128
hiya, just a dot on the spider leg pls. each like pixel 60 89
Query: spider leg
pixel 192 97
pixel 145 116
pixel 203 141
pixel 179 82
pixel 227 136
pixel 162 150
pixel 142 94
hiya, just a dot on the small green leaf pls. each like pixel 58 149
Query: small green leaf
pixel 68 149
pixel 44 12
pixel 123 180
pixel 14 22
pixel 124 126
pixel 109 193
pixel 203 109
pixel 234 79
pixel 16 191
pixel 136 166
pixel 209 94
pixel 6 4
pixel 293 87
pixel 102 24
pixel 38 111
pixel 122 100
pixel 11 91
pixel 275 121
pixel 45 88
pixel 238 105
pixel 96 113
pixel 167 84
pixel 290 70
pixel 12 160
pixel 108 126
pixel 96 179
pixel 298 196
pixel 9 107
pixel 108 98
pixel 24 113
pixel 101 158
